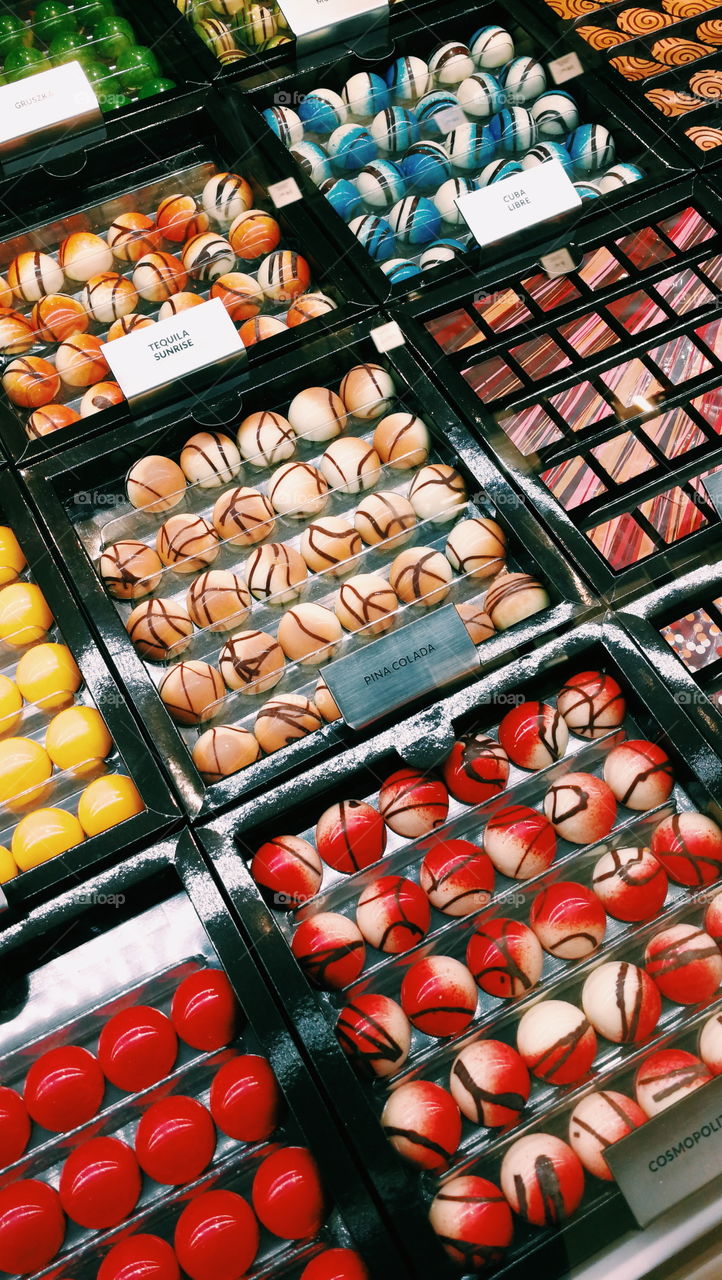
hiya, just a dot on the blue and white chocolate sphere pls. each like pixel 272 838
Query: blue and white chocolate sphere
pixel 395 130
pixel 381 184
pixel 400 269
pixel 343 197
pixel 451 63
pixel 376 236
pixel 545 151
pixel 556 115
pixel 351 147
pixel 620 175
pixel 481 95
pixel 513 130
pixel 441 251
pixel 470 146
pixel 447 195
pixel 408 79
pixel 491 47
pixel 498 170
pixel 426 166
pixel 415 220
pixel 286 125
pixel 591 148
pixel 523 80
pixel 313 160
pixel 322 111
pixel 366 93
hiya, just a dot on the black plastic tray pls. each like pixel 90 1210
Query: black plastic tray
pixel 216 130
pixel 80 483
pixel 489 288
pixel 165 872
pixel 161 813
pixel 422 741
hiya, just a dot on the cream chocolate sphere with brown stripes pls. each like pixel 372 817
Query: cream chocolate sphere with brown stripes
pixel 128 324
pixel 542 1179
pixel 437 493
pixel 190 691
pixel 155 483
pixel 331 545
pixel 178 218
pixel 275 573
pixel 158 276
pixel 210 459
pixel 309 634
pixel 556 1042
pixel 325 701
pixel 82 255
pixel 17 334
pixel 477 547
pixel 402 441
pixel 367 391
pixel 351 465
pixel 599 1120
pixel 223 750
pixel 98 398
pixel 239 294
pixel 108 296
pixel 31 382
pixel 421 576
pixel 219 600
pixel 513 597
pixel 622 1002
pixel 283 275
pixel 385 517
pixel 284 719
pixel 366 602
pixel 130 569
pixel 33 274
pixel 160 629
pixel 298 490
pixel 252 662
pixel 317 414
pixel 266 438
pixel 225 196
pixel 187 543
pixel 179 302
pixel 243 517
pixel 80 361
pixel 56 317
pixel 476 620
pixel 208 256
pixel 131 236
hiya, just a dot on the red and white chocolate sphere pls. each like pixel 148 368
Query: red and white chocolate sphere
pixel 542 1179
pixel 289 869
pixel 534 735
pixel 581 808
pixel 439 996
pixel 568 919
pixel 520 841
pixel 713 919
pixel 685 962
pixel 412 803
pixel 639 773
pixel 556 1042
pixel 592 704
pixel 374 1030
pixel 476 769
pixel 422 1121
pixel 621 1002
pixel 393 914
pixel 505 957
pixel 631 884
pixel 350 835
pixel 710 1044
pixel 597 1122
pixel 689 847
pixel 473 1221
pixel 666 1077
pixel 490 1082
pixel 330 949
pixel 457 877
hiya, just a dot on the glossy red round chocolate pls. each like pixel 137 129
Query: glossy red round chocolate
pixel 439 996
pixel 205 1011
pixel 245 1098
pixel 457 877
pixel 350 835
pixel 32 1226
pixel 412 804
pixel 100 1183
pixel 64 1088
pixel 423 1123
pixel 216 1237
pixel 336 1264
pixel 287 1194
pixel 142 1257
pixel 568 919
pixel 330 949
pixel 14 1127
pixel 476 769
pixel 175 1140
pixel 533 735
pixel 137 1048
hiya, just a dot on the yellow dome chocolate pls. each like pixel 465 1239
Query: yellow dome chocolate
pixel 8 865
pixel 25 768
pixel 11 705
pixel 12 560
pixel 48 675
pixel 108 801
pixel 24 614
pixel 44 834
pixel 78 739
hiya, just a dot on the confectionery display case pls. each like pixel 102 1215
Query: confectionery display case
pixel 680 629
pixel 510 924
pixel 78 784
pixel 163 223
pixel 224 570
pixel 156 1112
pixel 456 107
pixel 663 55
pixel 598 390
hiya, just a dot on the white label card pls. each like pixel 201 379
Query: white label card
pixel 308 17
pixel 568 67
pixel 285 192
pixel 44 101
pixel 387 336
pixel 172 349
pixel 519 202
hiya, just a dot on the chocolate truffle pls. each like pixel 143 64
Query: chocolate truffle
pixel 53 417
pixel 330 545
pixel 324 700
pixel 31 382
pixel 689 847
pixel 308 307
pixel 568 919
pixel 259 329
pixel 80 361
pixel 374 1030
pixel 402 441
pixel 505 957
pixel 666 1077
pixel 621 1002
pixel 367 391
pixel 218 600
pixel 251 662
pixel 208 256
pixel 283 275
pixel 275 573
pixel 592 704
pixel 16 334
pixel 317 414
pixel 330 949
pixel 266 439
pixel 160 629
pixel 490 1083
pixel 350 835
pixel 33 274
pixel 685 963
pixel 630 883
pixel 457 877
pixel 473 1222
pixel 155 483
pixel 476 768
pixel 130 569
pixel 437 493
pixel 412 803
pixel 309 634
pixel 421 576
pixel 178 303
pixel 385 517
pixel 224 750
pixel 284 719
pixel 513 597
pixel 187 543
pixel 556 1041
pixel 243 517
pixel 82 255
pixel 439 996
pixel 298 490
pixel 157 276
pixel 225 196
pixel 393 914
pixel 190 691
pixel 581 808
pixel 476 620
pixel 56 317
pixel 239 294
pixel 351 465
pixel 289 869
pixel 366 602
pixel 597 1122
pixel 128 324
pixel 477 547
pixel 104 395
pixel 422 1122
pixel 534 735
pixel 254 233
pixel 131 235
pixel 542 1179
pixel 108 296
pixel 520 842
pixel 640 774
pixel 210 459
pixel 178 218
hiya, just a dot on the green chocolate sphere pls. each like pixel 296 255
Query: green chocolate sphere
pixel 88 13
pixel 112 37
pixel 137 66
pixel 152 87
pixel 13 33
pixel 24 62
pixel 52 18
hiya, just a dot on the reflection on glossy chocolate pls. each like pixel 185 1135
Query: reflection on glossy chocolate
pixel 160 629
pixel 284 719
pixel 190 690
